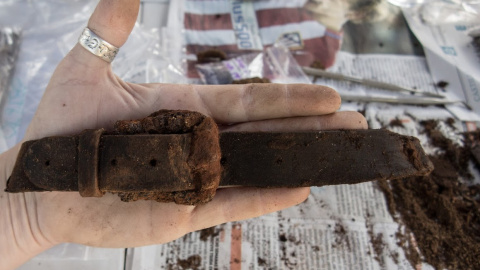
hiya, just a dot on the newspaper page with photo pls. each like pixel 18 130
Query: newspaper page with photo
pixel 452 55
pixel 402 70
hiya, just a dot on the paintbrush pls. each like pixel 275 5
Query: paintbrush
pixel 367 82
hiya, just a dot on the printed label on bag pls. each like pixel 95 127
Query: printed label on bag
pixel 292 40
pixel 245 25
pixel 237 67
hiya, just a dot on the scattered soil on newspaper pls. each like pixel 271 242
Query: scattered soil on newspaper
pixel 261 262
pixel 341 236
pixel 193 262
pixel 441 210
pixel 380 248
pixel 396 123
pixel 442 84
pixel 208 233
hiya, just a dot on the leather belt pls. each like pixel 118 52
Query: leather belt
pixel 180 156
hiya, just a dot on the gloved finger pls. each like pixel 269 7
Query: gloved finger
pixel 112 21
pixel 233 204
pixel 338 120
pixel 243 103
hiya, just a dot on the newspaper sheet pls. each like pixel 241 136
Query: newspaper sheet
pixel 407 71
pixel 451 57
pixel 337 227
pixel 331 230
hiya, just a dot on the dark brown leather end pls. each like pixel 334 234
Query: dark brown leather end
pixel 18 181
pixel 295 159
pixel 41 163
pixel 50 159
pixel 414 152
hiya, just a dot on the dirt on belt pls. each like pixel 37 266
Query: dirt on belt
pixel 441 210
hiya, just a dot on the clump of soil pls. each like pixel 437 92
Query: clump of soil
pixel 192 262
pixel 261 262
pixel 396 123
pixel 442 84
pixel 211 56
pixel 317 64
pixel 282 237
pixel 252 80
pixel 457 156
pixel 450 122
pixel 341 236
pixel 441 211
pixel 472 141
pixel 208 233
pixel 378 246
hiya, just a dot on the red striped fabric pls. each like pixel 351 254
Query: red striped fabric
pixel 208 22
pixel 322 49
pixel 281 16
pixel 265 18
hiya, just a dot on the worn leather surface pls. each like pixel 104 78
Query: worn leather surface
pixel 319 158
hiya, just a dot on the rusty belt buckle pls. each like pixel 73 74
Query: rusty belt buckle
pixel 170 156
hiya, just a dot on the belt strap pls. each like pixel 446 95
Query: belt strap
pixel 179 156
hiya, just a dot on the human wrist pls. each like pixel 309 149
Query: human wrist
pixel 21 237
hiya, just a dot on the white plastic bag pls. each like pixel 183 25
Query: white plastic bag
pixel 275 63
pixel 437 12
pixel 449 12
